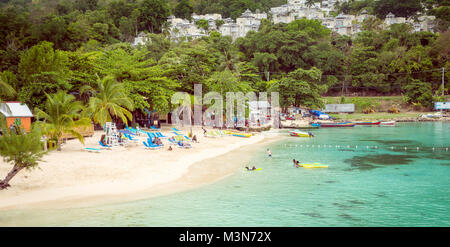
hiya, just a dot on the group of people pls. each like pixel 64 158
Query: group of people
pixel 157 141
pixel 269 154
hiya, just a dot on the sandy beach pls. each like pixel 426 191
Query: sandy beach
pixel 75 177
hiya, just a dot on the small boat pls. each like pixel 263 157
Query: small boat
pixel 390 123
pixel 367 123
pixel 315 165
pixel 329 125
pixel 257 169
pixel 298 134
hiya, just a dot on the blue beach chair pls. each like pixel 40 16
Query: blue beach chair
pixel 183 145
pixel 103 145
pixel 93 150
pixel 150 145
pixel 160 135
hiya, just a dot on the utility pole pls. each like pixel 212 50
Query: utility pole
pixel 443 81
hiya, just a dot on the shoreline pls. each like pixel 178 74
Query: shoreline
pixel 289 124
pixel 173 172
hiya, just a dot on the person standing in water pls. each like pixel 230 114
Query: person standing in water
pixel 269 153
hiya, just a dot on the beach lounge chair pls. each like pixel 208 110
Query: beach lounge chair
pixel 211 134
pixel 183 145
pixel 130 138
pixel 154 128
pixel 172 140
pixel 180 138
pixel 93 150
pixel 104 145
pixel 151 136
pixel 150 145
pixel 160 135
pixel 128 132
pixel 175 129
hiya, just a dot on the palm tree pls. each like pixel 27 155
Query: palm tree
pixel 62 115
pixel 6 89
pixel 109 99
pixel 21 149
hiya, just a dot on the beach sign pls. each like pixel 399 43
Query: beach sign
pixel 442 105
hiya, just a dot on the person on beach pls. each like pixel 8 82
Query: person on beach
pixel 204 131
pixel 194 139
pixel 269 153
pixel 158 141
pixel 170 148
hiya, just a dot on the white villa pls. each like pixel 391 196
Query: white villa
pixel 293 10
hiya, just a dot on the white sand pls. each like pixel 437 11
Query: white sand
pixel 76 175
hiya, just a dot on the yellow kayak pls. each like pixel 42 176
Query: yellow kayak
pixel 315 165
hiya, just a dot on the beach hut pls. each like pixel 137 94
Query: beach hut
pixel 16 114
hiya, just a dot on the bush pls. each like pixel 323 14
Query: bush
pixel 393 109
pixel 419 94
pixel 364 105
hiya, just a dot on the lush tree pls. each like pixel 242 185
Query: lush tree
pixel 62 114
pixel 442 14
pixel 189 64
pixel 109 100
pixel 419 93
pixel 6 90
pixel 402 8
pixel 159 45
pixel 43 70
pixel 203 24
pixel 226 81
pixel 153 15
pixel 147 84
pixel 23 150
pixel 85 5
pixel 300 88
pixel 184 9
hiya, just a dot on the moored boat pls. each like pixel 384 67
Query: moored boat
pixel 299 134
pixel 330 125
pixel 367 123
pixel 389 123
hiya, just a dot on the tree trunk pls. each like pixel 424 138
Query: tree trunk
pixel 5 182
pixel 58 144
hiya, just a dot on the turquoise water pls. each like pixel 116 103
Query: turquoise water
pixel 372 180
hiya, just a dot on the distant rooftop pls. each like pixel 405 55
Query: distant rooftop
pixel 15 109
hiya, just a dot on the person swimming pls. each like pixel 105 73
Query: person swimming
pixel 269 153
pixel 250 169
